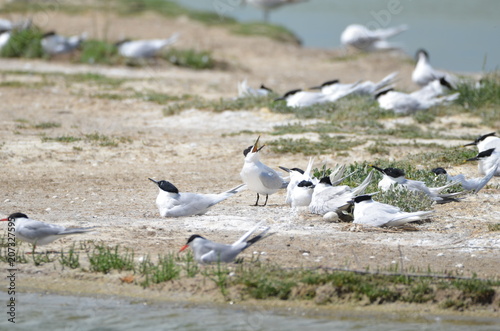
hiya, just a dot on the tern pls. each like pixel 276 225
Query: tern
pixel 328 198
pixel 267 5
pixel 257 176
pixel 172 203
pixel 206 251
pixel 40 233
pixel 374 213
pixel 4 38
pixel 434 89
pixel 424 73
pixel 403 103
pixel 246 91
pixel 296 176
pixel 53 43
pixel 394 177
pixel 300 98
pixel 362 38
pixel 357 88
pixel 137 49
pixel 486 141
pixel 470 184
pixel 488 159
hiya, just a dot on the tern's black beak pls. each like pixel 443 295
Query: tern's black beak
pixel 279 99
pixel 377 168
pixel 316 88
pixel 154 181
pixel 473 159
pixel 284 169
pixel 470 144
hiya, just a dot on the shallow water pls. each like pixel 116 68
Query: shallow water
pixel 460 35
pixel 55 312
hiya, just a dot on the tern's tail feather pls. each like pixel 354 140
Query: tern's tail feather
pixel 387 80
pixel 76 230
pixel 391 32
pixel 236 189
pixel 362 187
pixel 309 167
pixel 409 217
pixel 248 234
pixel 258 237
pixel 486 178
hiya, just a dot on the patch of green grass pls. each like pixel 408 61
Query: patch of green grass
pixel 98 52
pixel 219 274
pixel 70 259
pixel 46 125
pixel 104 259
pixel 326 144
pixel 494 227
pixel 95 78
pixel 62 139
pixel 189 58
pixel 161 98
pixel 164 270
pixel 24 43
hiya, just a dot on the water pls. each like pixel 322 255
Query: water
pixel 460 35
pixel 56 312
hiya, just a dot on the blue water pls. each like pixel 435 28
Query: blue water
pixel 460 35
pixel 55 312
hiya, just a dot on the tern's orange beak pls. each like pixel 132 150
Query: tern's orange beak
pixel 256 145
pixel 4 219
pixel 183 248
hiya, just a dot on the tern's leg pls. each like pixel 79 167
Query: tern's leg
pixel 257 202
pixel 265 203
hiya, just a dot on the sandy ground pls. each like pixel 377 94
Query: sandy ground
pixel 84 184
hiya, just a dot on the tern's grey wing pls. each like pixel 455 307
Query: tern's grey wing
pixel 270 179
pixel 34 230
pixel 215 252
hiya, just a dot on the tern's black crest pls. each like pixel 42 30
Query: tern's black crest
pixel 247 150
pixel 394 172
pixel 330 82
pixel 491 134
pixel 439 171
pixel 483 154
pixel 305 183
pixel 48 34
pixel 17 215
pixel 365 197
pixel 265 88
pixel 298 169
pixel 422 51
pixel 167 186
pixel 326 180
pixel 292 92
pixel 444 82
pixel 381 93
pixel 193 237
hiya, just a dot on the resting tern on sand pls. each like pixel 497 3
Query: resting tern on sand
pixel 206 251
pixel 300 98
pixel 40 233
pixel 486 141
pixel 424 73
pixel 470 184
pixel 488 159
pixel 403 103
pixel 362 38
pixel 296 176
pixel 246 91
pixel 257 176
pixel 357 88
pixel 137 49
pixel 53 43
pixel 395 178
pixel 374 213
pixel 172 203
pixel 434 89
pixel 328 198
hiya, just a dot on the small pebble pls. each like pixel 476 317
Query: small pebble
pixel 459 265
pixel 440 254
